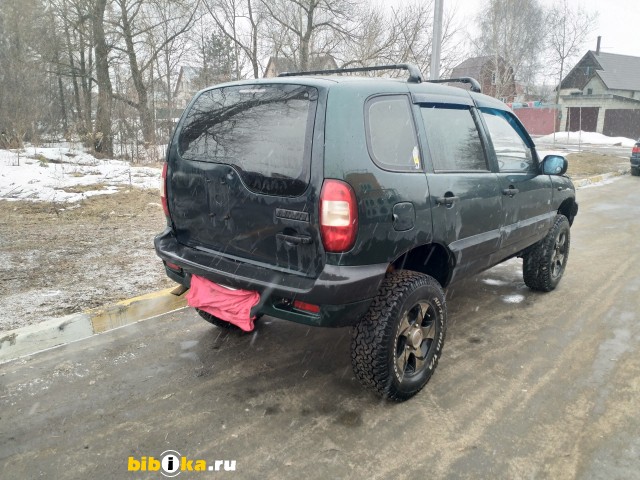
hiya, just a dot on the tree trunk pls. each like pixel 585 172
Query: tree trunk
pixel 74 74
pixel 146 119
pixel 103 140
pixel 305 40
pixel 254 43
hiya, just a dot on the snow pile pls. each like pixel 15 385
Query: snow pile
pixel 591 138
pixel 66 174
pixel 544 153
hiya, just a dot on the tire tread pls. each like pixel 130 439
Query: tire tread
pixel 372 335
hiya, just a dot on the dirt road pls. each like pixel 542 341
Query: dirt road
pixel 530 385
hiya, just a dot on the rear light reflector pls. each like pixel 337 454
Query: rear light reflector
pixel 636 149
pixel 163 192
pixel 307 307
pixel 173 266
pixel 338 216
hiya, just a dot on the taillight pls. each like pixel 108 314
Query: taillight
pixel 163 192
pixel 338 216
pixel 636 148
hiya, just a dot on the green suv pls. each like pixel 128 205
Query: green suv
pixel 354 201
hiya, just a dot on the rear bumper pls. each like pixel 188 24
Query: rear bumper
pixel 343 293
pixel 635 161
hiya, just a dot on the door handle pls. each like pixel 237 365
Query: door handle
pixel 510 191
pixel 294 239
pixel 446 201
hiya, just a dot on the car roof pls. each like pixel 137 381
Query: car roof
pixel 422 91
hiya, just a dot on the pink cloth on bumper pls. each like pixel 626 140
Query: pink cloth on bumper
pixel 233 306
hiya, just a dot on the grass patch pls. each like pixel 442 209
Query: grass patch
pixel 84 188
pixel 586 164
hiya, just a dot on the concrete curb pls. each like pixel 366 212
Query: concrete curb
pixel 583 182
pixel 52 333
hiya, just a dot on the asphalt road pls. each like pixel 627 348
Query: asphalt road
pixel 530 385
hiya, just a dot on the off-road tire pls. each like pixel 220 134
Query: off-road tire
pixel 218 322
pixel 377 340
pixel 635 171
pixel 544 263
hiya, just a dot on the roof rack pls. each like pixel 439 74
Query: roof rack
pixel 414 73
pixel 475 85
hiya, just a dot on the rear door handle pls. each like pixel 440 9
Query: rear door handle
pixel 446 201
pixel 294 239
pixel 510 191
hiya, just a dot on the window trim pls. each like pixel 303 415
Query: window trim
pixel 479 130
pixel 367 133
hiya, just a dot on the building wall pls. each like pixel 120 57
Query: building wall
pixel 596 85
pixel 537 121
pixel 270 71
pixel 627 93
pixel 622 123
pixel 603 102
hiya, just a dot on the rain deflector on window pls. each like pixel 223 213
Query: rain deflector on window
pixel 264 131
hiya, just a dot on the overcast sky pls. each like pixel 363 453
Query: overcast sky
pixel 618 21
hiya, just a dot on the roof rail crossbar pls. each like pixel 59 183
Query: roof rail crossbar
pixel 414 73
pixel 475 85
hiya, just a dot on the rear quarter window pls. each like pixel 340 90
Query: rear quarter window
pixel 264 131
pixel 391 134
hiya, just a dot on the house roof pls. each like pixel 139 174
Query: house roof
pixel 316 62
pixel 619 72
pixel 186 76
pixel 471 67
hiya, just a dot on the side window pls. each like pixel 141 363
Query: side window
pixel 512 152
pixel 391 134
pixel 453 138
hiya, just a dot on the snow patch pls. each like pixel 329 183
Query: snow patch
pixel 563 153
pixel 494 282
pixel 67 174
pixel 592 138
pixel 516 298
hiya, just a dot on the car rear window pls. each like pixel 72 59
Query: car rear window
pixel 264 131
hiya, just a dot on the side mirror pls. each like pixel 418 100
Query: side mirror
pixel 554 165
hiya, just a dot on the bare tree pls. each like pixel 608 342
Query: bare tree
pixel 401 34
pixel 137 21
pixel 26 85
pixel 512 33
pixel 103 140
pixel 170 55
pixel 241 21
pixel 311 26
pixel 567 32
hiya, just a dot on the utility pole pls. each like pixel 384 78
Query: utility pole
pixel 437 39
